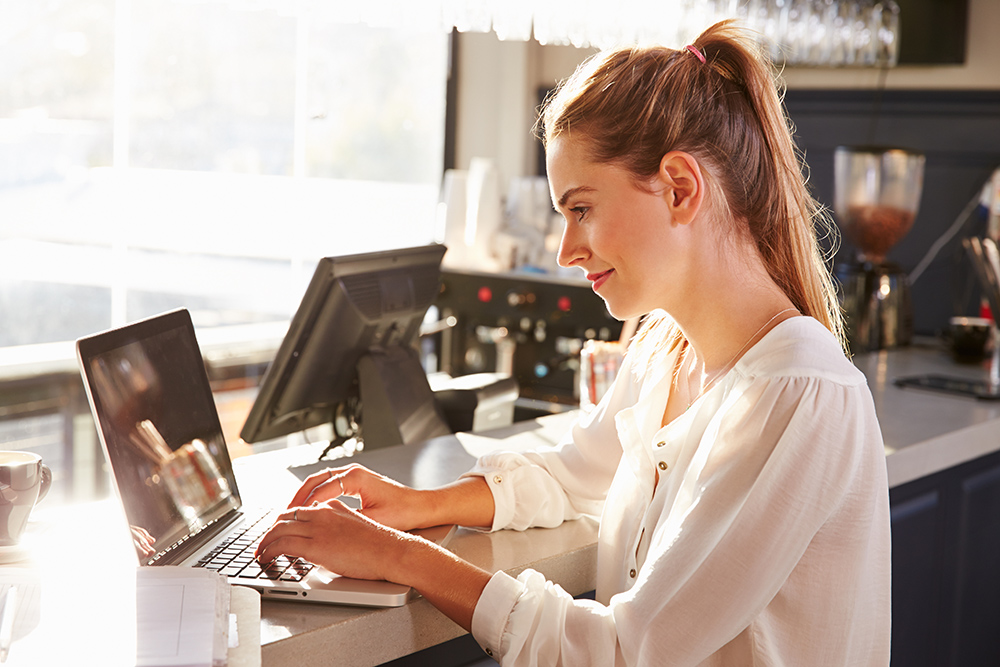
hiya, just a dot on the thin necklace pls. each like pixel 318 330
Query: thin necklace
pixel 729 364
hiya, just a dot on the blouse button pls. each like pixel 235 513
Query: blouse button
pixel 497 479
pixel 631 573
pixel 662 465
pixel 661 443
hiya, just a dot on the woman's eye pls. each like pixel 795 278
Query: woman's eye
pixel 580 211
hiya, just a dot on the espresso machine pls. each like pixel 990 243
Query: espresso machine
pixel 530 327
pixel 876 196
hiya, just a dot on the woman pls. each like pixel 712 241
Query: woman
pixel 736 463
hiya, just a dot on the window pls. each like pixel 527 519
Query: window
pixel 165 153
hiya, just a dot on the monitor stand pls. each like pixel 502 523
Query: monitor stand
pixel 397 404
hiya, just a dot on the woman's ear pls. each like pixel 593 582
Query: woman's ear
pixel 684 189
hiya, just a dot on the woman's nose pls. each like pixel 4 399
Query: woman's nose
pixel 572 249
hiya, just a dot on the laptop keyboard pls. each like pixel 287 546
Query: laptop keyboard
pixel 233 556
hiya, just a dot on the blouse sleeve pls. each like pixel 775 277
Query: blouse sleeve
pixel 774 464
pixel 545 488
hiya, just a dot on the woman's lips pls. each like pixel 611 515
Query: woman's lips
pixel 598 279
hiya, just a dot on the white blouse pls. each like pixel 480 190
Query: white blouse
pixel 765 542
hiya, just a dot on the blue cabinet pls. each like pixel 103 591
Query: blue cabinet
pixel 946 567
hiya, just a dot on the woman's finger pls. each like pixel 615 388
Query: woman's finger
pixel 331 486
pixel 320 486
pixel 334 536
pixel 292 522
pixel 292 546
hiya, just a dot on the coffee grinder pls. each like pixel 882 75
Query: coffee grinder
pixel 876 196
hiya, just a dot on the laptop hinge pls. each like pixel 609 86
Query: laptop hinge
pixel 188 544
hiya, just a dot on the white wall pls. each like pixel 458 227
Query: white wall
pixel 499 81
pixel 496 103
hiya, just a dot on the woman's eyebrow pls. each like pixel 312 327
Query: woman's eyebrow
pixel 573 191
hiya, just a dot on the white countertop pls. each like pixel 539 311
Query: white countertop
pixel 924 431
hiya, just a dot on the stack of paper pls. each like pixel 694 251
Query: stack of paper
pixel 182 617
pixel 143 617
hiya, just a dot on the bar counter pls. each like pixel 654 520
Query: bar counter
pixel 924 432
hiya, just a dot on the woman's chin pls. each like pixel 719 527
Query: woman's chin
pixel 619 311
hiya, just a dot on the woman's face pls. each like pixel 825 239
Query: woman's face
pixel 619 232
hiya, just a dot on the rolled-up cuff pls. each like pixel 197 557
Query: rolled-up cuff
pixel 489 619
pixel 503 494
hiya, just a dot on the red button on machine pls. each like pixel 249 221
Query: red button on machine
pixel 485 294
pixel 564 304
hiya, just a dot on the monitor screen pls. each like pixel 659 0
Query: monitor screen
pixel 350 352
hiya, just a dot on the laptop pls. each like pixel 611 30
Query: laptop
pixel 158 424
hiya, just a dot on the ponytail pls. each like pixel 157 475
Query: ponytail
pixel 719 101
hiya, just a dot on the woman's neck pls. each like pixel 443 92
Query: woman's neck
pixel 693 378
pixel 729 303
pixel 728 306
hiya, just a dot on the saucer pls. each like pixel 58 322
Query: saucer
pixel 14 553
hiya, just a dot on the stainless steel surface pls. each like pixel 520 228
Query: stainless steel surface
pixel 877 306
pixel 984 269
pixel 526 325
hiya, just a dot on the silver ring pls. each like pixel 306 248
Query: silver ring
pixel 295 514
pixel 339 479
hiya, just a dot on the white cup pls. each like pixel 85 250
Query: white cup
pixel 24 480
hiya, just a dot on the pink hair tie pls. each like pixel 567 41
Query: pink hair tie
pixel 693 49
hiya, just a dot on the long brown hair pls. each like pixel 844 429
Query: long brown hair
pixel 634 105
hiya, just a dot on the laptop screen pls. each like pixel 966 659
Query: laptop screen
pixel 150 396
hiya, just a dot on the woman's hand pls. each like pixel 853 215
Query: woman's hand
pixel 386 501
pixel 370 543
pixel 341 539
pixel 347 542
